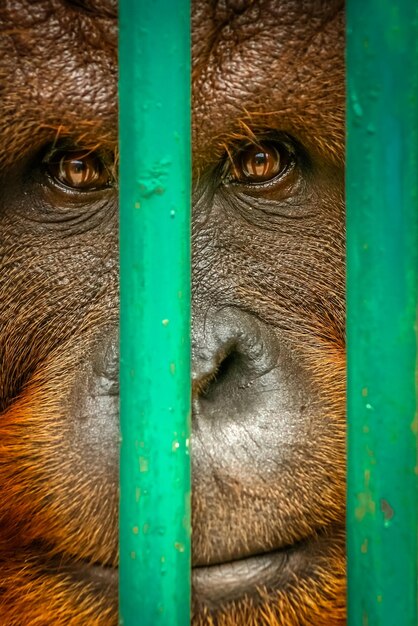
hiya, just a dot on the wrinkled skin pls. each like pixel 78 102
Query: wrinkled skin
pixel 268 314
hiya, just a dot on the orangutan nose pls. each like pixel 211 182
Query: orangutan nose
pixel 232 353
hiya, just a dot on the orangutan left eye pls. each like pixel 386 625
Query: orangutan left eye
pixel 260 163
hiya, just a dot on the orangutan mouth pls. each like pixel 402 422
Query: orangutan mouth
pixel 212 585
pixel 257 574
pixel 215 584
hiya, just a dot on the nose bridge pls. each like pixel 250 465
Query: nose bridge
pixel 208 281
pixel 213 334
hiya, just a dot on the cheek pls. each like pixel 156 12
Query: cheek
pixel 93 409
pixel 60 486
pixel 59 427
pixel 292 274
pixel 51 290
pixel 268 350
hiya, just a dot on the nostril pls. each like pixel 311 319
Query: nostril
pixel 209 364
pixel 230 352
pixel 224 372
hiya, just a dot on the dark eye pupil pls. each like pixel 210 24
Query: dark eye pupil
pixel 260 158
pixel 258 165
pixel 78 166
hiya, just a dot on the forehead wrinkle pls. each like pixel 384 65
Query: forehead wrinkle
pixel 104 8
pixel 306 98
pixel 217 21
pixel 53 80
pixel 25 137
pixel 37 121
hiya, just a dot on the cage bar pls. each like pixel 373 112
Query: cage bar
pixel 382 281
pixel 154 85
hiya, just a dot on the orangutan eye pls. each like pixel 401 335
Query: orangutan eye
pixel 260 163
pixel 78 170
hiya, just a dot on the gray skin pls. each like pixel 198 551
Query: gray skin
pixel 268 314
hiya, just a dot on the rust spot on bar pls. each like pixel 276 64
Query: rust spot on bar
pixel 143 464
pixel 179 546
pixel 388 512
pixel 414 425
pixel 366 505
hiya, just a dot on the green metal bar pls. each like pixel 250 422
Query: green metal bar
pixel 154 53
pixel 382 281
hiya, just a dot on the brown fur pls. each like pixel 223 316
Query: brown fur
pixel 59 294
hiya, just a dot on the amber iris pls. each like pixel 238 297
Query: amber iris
pixel 260 163
pixel 81 171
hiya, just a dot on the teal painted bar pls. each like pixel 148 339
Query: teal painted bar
pixel 382 281
pixel 155 312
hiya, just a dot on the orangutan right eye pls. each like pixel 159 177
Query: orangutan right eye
pixel 260 163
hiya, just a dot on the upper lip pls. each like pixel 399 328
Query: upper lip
pixel 52 558
pixel 75 564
